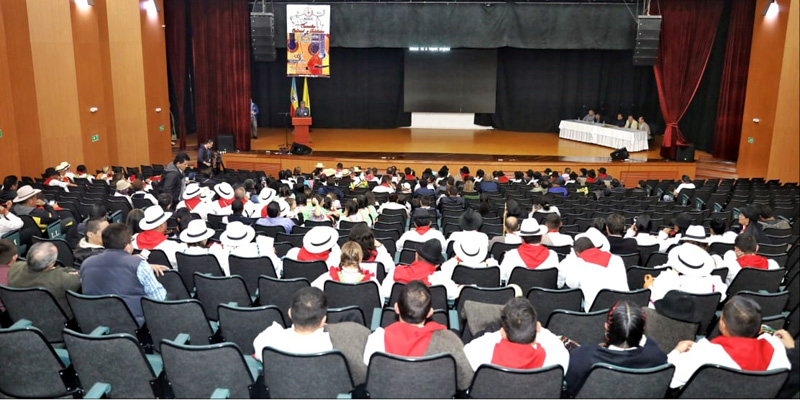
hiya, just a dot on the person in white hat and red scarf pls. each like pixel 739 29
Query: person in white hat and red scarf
pixel 319 244
pixel 470 251
pixel 237 240
pixel 741 345
pixel 253 209
pixel 689 271
pixel 222 206
pixel 154 226
pixel 196 236
pixel 531 253
pixel 193 201
pixel 592 269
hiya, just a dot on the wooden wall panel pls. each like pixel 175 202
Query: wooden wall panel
pixel 87 42
pixel 10 160
pixel 763 81
pixel 155 83
pixel 23 86
pixel 108 85
pixel 784 161
pixel 127 77
pixel 50 29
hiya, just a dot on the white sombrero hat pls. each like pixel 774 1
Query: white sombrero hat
pixel 154 216
pixel 224 190
pixel 471 247
pixel 237 234
pixel 695 233
pixel 689 259
pixel 196 231
pixel 598 239
pixel 63 166
pixel 531 227
pixel 266 195
pixel 192 190
pixel 26 192
pixel 320 238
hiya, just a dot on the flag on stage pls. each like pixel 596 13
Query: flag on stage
pixel 293 103
pixel 306 98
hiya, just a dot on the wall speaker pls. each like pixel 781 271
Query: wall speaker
pixel 262 37
pixel 648 31
pixel 225 143
pixel 299 149
pixel 685 153
pixel 619 155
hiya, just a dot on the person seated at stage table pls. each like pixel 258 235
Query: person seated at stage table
pixel 589 117
pixel 620 121
pixel 302 111
pixel 422 232
pixel 644 126
pixel 631 123
pixel 599 119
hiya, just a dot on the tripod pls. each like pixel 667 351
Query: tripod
pixel 287 123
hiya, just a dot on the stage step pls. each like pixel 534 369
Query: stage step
pixel 709 168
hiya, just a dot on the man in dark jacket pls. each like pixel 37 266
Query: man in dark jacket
pixel 172 180
pixel 615 228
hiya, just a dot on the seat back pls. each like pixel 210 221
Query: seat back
pixel 584 328
pixel 167 319
pixel 484 295
pixel 30 366
pixel 527 278
pixel 545 301
pixel 645 251
pixel 438 296
pixel 296 240
pixel 158 256
pixel 215 290
pixel 364 295
pixel 173 283
pixel 483 277
pixel 498 250
pixel 714 381
pixel 630 260
pixel 720 248
pixel 271 231
pixel 609 382
pixel 771 303
pixel 705 305
pixel 114 359
pixel 310 270
pixel 106 310
pixel 38 306
pixel 65 256
pixel 389 316
pixel 250 269
pixel 279 292
pixel 493 382
pixel 636 275
pixel 346 314
pixel 196 371
pixel 656 259
pixel 667 332
pixel 241 325
pixel 606 298
pixel 754 280
pixel 316 376
pixel 393 377
pixel 188 264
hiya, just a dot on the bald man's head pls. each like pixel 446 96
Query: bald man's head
pixel 512 224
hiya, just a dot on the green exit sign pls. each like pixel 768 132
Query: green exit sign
pixel 1 133
pixel 95 138
pixel 161 128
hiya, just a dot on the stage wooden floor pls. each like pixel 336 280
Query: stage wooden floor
pixel 431 148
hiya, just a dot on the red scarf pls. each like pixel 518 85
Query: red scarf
pixel 753 261
pixel 386 185
pixel 264 212
pixel 192 203
pixel 47 181
pixel 149 239
pixel 596 256
pixel 408 340
pixel 373 254
pixel 533 255
pixel 515 355
pixel 336 271
pixel 225 202
pixel 305 255
pixel 591 180
pixel 602 176
pixel 751 354
pixel 502 179
pixel 423 229
pixel 417 271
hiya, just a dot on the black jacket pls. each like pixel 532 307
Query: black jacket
pixel 172 182
pixel 620 245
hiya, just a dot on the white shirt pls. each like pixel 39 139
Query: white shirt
pixel 729 262
pixel 262 247
pixel 665 242
pixel 288 340
pixel 169 247
pixel 683 186
pixel 9 222
pixel 450 265
pixel 671 280
pixel 332 261
pixel 413 236
pixel 61 184
pixel 512 259
pixel 728 237
pixel 146 195
pixel 217 209
pixel 705 352
pixel 551 210
pixel 85 176
pixel 481 350
pixel 382 189
pixel 214 250
pixel 202 209
pixel 118 194
pixel 394 206
pixel 643 238
pixel 483 241
pixel 353 278
pixel 560 239
pixel 253 210
pixel 592 278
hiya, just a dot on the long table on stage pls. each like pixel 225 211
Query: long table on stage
pixel 604 135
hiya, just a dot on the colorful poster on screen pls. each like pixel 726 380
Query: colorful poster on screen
pixel 308 41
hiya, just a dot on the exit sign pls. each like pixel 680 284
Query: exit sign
pixel 95 138
pixel 161 128
pixel 1 133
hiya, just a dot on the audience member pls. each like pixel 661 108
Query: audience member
pixel 470 222
pixel 719 232
pixel 640 231
pixel 8 221
pixel 195 236
pixel 553 237
pixel 273 218
pixel 615 228
pixel 686 183
pixel 530 254
pixel 689 271
pixel 226 196
pixel 8 257
pixel 28 203
pixel 373 251
pixel 592 269
pixel 470 249
pixel 511 235
pixel 744 255
pixel 748 218
pixel 153 234
pixel 237 240
pixel 319 244
pixel 421 233
pixel 92 244
pixel 349 269
pixel 139 193
pixel 40 270
pixel 172 180
pixel 767 219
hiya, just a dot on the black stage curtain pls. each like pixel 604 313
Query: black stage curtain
pixel 538 88
pixel 365 90
pixel 477 25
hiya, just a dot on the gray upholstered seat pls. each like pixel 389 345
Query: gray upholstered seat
pixel 188 264
pixel 30 366
pixel 584 328
pixel 715 381
pixel 612 382
pixel 167 319
pixel 38 306
pixel 241 325
pixel 197 371
pixel 606 298
pixel 250 269
pixel 215 290
pixel 279 292
pixel 106 310
pixel 393 377
pixel 493 382
pixel 321 375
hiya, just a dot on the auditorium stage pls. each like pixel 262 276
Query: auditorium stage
pixel 431 148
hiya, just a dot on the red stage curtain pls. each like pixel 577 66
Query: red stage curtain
pixel 221 44
pixel 175 20
pixel 687 34
pixel 730 111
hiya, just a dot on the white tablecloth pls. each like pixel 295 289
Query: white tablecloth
pixel 604 135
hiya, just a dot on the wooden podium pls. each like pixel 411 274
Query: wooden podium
pixel 301 125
